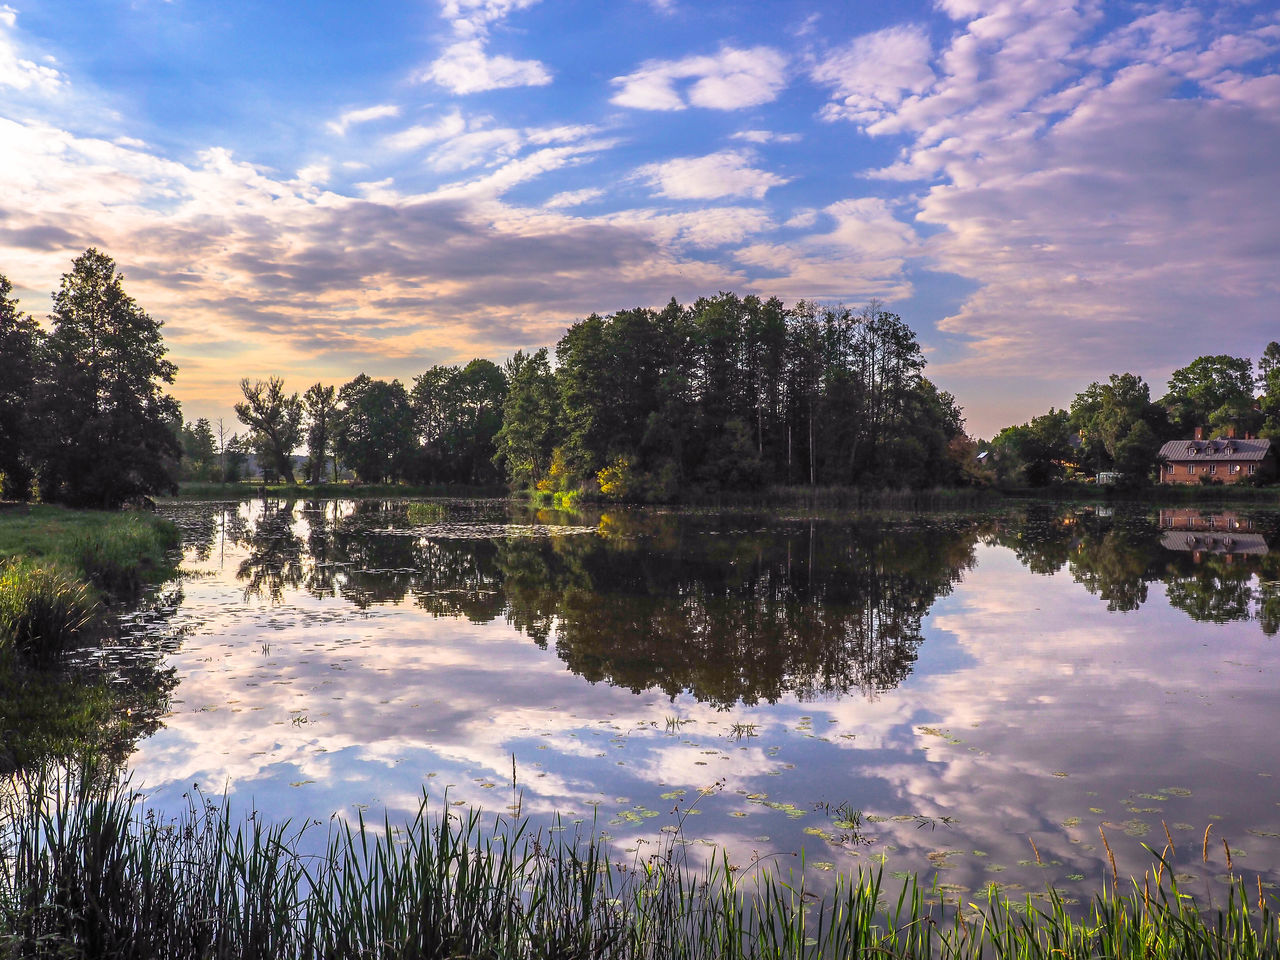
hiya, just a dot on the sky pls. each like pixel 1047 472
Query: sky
pixel 1047 192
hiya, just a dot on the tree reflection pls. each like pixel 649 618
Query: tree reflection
pixel 1215 567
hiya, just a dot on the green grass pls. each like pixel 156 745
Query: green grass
pixel 58 567
pixel 88 872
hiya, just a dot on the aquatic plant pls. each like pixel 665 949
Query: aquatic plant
pixel 88 871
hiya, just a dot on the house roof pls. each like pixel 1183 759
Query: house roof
pixel 1251 544
pixel 1219 450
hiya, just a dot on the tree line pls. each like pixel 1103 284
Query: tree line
pixel 642 404
pixel 728 393
pixel 1118 426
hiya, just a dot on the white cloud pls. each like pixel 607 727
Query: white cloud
pixel 419 135
pixel 875 72
pixel 478 148
pixel 729 80
pixel 465 67
pixel 574 198
pixel 18 72
pixel 766 136
pixel 725 174
pixel 363 115
pixel 1104 192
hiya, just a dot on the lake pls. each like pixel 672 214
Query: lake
pixel 968 696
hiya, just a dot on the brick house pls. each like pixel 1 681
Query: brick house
pixel 1222 460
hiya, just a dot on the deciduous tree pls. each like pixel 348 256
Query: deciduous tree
pixel 275 420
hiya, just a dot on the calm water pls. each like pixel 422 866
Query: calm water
pixel 934 693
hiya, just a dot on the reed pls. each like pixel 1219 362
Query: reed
pixel 87 871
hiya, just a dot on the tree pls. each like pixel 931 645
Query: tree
pixel 103 412
pixel 320 404
pixel 19 339
pixel 199 451
pixel 275 422
pixel 1106 416
pixel 529 418
pixel 1212 391
pixel 1269 383
pixel 373 434
pixel 1036 451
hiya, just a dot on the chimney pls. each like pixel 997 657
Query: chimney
pixel 1231 432
pixel 1199 433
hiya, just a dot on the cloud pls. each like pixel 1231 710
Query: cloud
pixel 862 256
pixel 419 135
pixel 363 115
pixel 766 136
pixel 1104 191
pixel 724 174
pixel 465 67
pixel 873 73
pixel 729 80
pixel 16 71
pixel 574 198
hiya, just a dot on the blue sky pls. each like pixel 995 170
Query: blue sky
pixel 1047 192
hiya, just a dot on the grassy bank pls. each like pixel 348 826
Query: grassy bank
pixel 87 873
pixel 247 491
pixel 58 567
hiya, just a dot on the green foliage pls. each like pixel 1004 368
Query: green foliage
pixel 200 455
pixel 43 609
pixel 1119 427
pixel 1212 391
pixel 374 433
pixel 735 393
pixel 275 422
pixel 1037 452
pixel 457 413
pixel 525 441
pixel 320 404
pixel 19 341
pixel 104 418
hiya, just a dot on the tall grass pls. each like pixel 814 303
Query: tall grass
pixel 43 609
pixel 88 872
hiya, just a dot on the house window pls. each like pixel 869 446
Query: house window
pixel 1253 468
pixel 1169 467
pixel 1191 468
pixel 1235 468
pixel 1213 468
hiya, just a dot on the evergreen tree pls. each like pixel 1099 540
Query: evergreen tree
pixel 104 416
pixel 19 340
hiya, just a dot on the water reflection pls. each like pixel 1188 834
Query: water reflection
pixel 739 613
pixel 1037 672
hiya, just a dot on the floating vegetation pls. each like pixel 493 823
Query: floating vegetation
pixel 485 531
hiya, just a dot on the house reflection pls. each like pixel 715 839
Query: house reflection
pixel 1226 535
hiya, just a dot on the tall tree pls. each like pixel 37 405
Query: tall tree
pixel 320 404
pixel 374 430
pixel 275 420
pixel 104 413
pixel 1269 383
pixel 19 339
pixel 199 451
pixel 1106 416
pixel 529 418
pixel 1212 391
